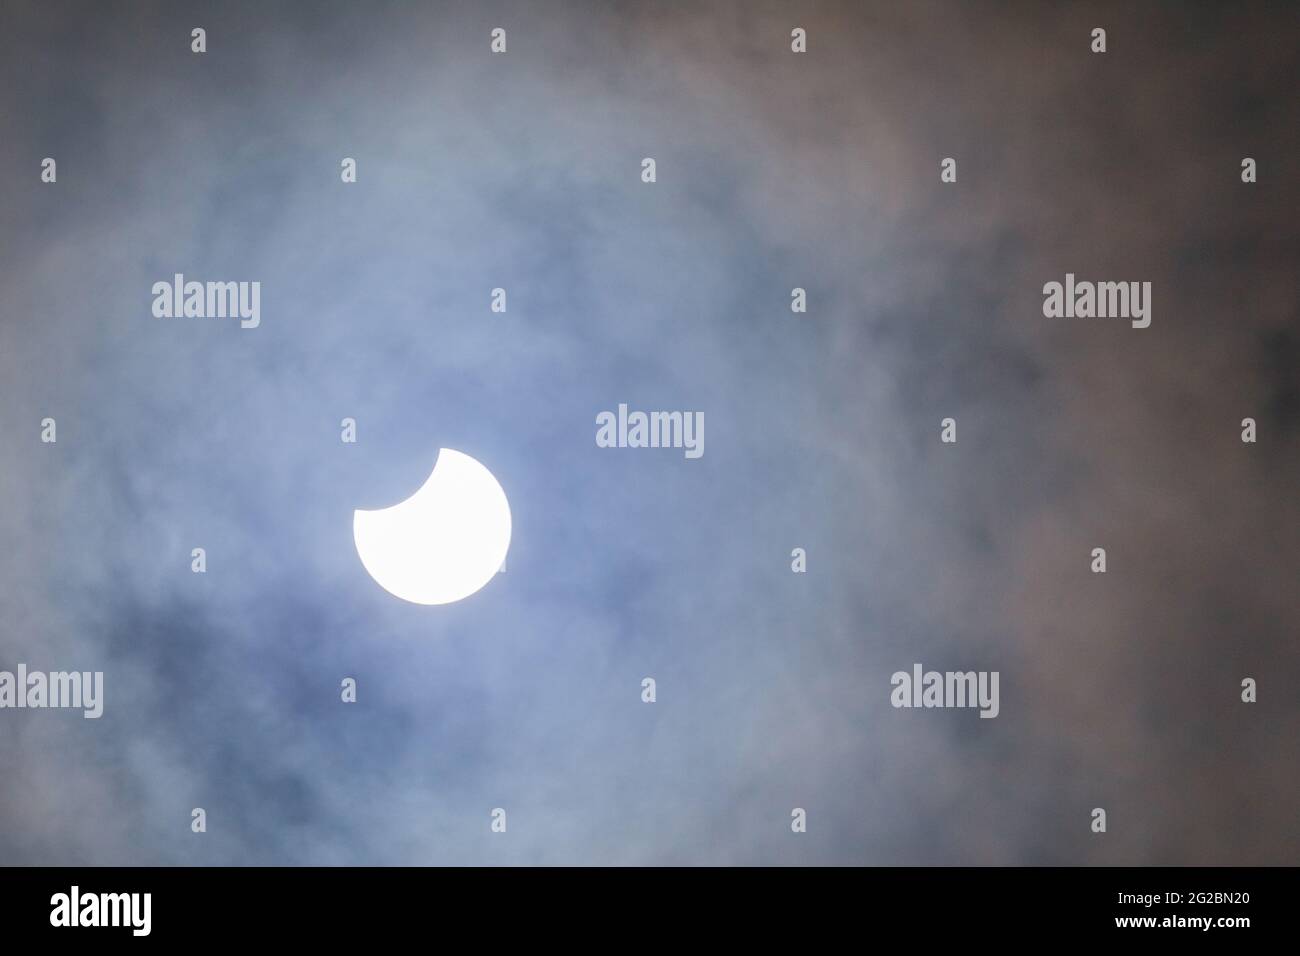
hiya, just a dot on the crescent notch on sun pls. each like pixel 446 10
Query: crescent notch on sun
pixel 445 541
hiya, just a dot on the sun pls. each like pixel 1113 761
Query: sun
pixel 444 542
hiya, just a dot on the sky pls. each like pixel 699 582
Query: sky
pixel 774 170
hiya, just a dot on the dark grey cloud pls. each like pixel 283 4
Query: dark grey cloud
pixel 775 171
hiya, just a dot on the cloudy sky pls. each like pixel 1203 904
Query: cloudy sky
pixel 775 170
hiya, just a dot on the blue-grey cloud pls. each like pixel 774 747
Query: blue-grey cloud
pixel 775 171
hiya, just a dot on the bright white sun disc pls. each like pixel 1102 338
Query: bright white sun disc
pixel 445 541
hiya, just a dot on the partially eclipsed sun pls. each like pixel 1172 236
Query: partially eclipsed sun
pixel 445 541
